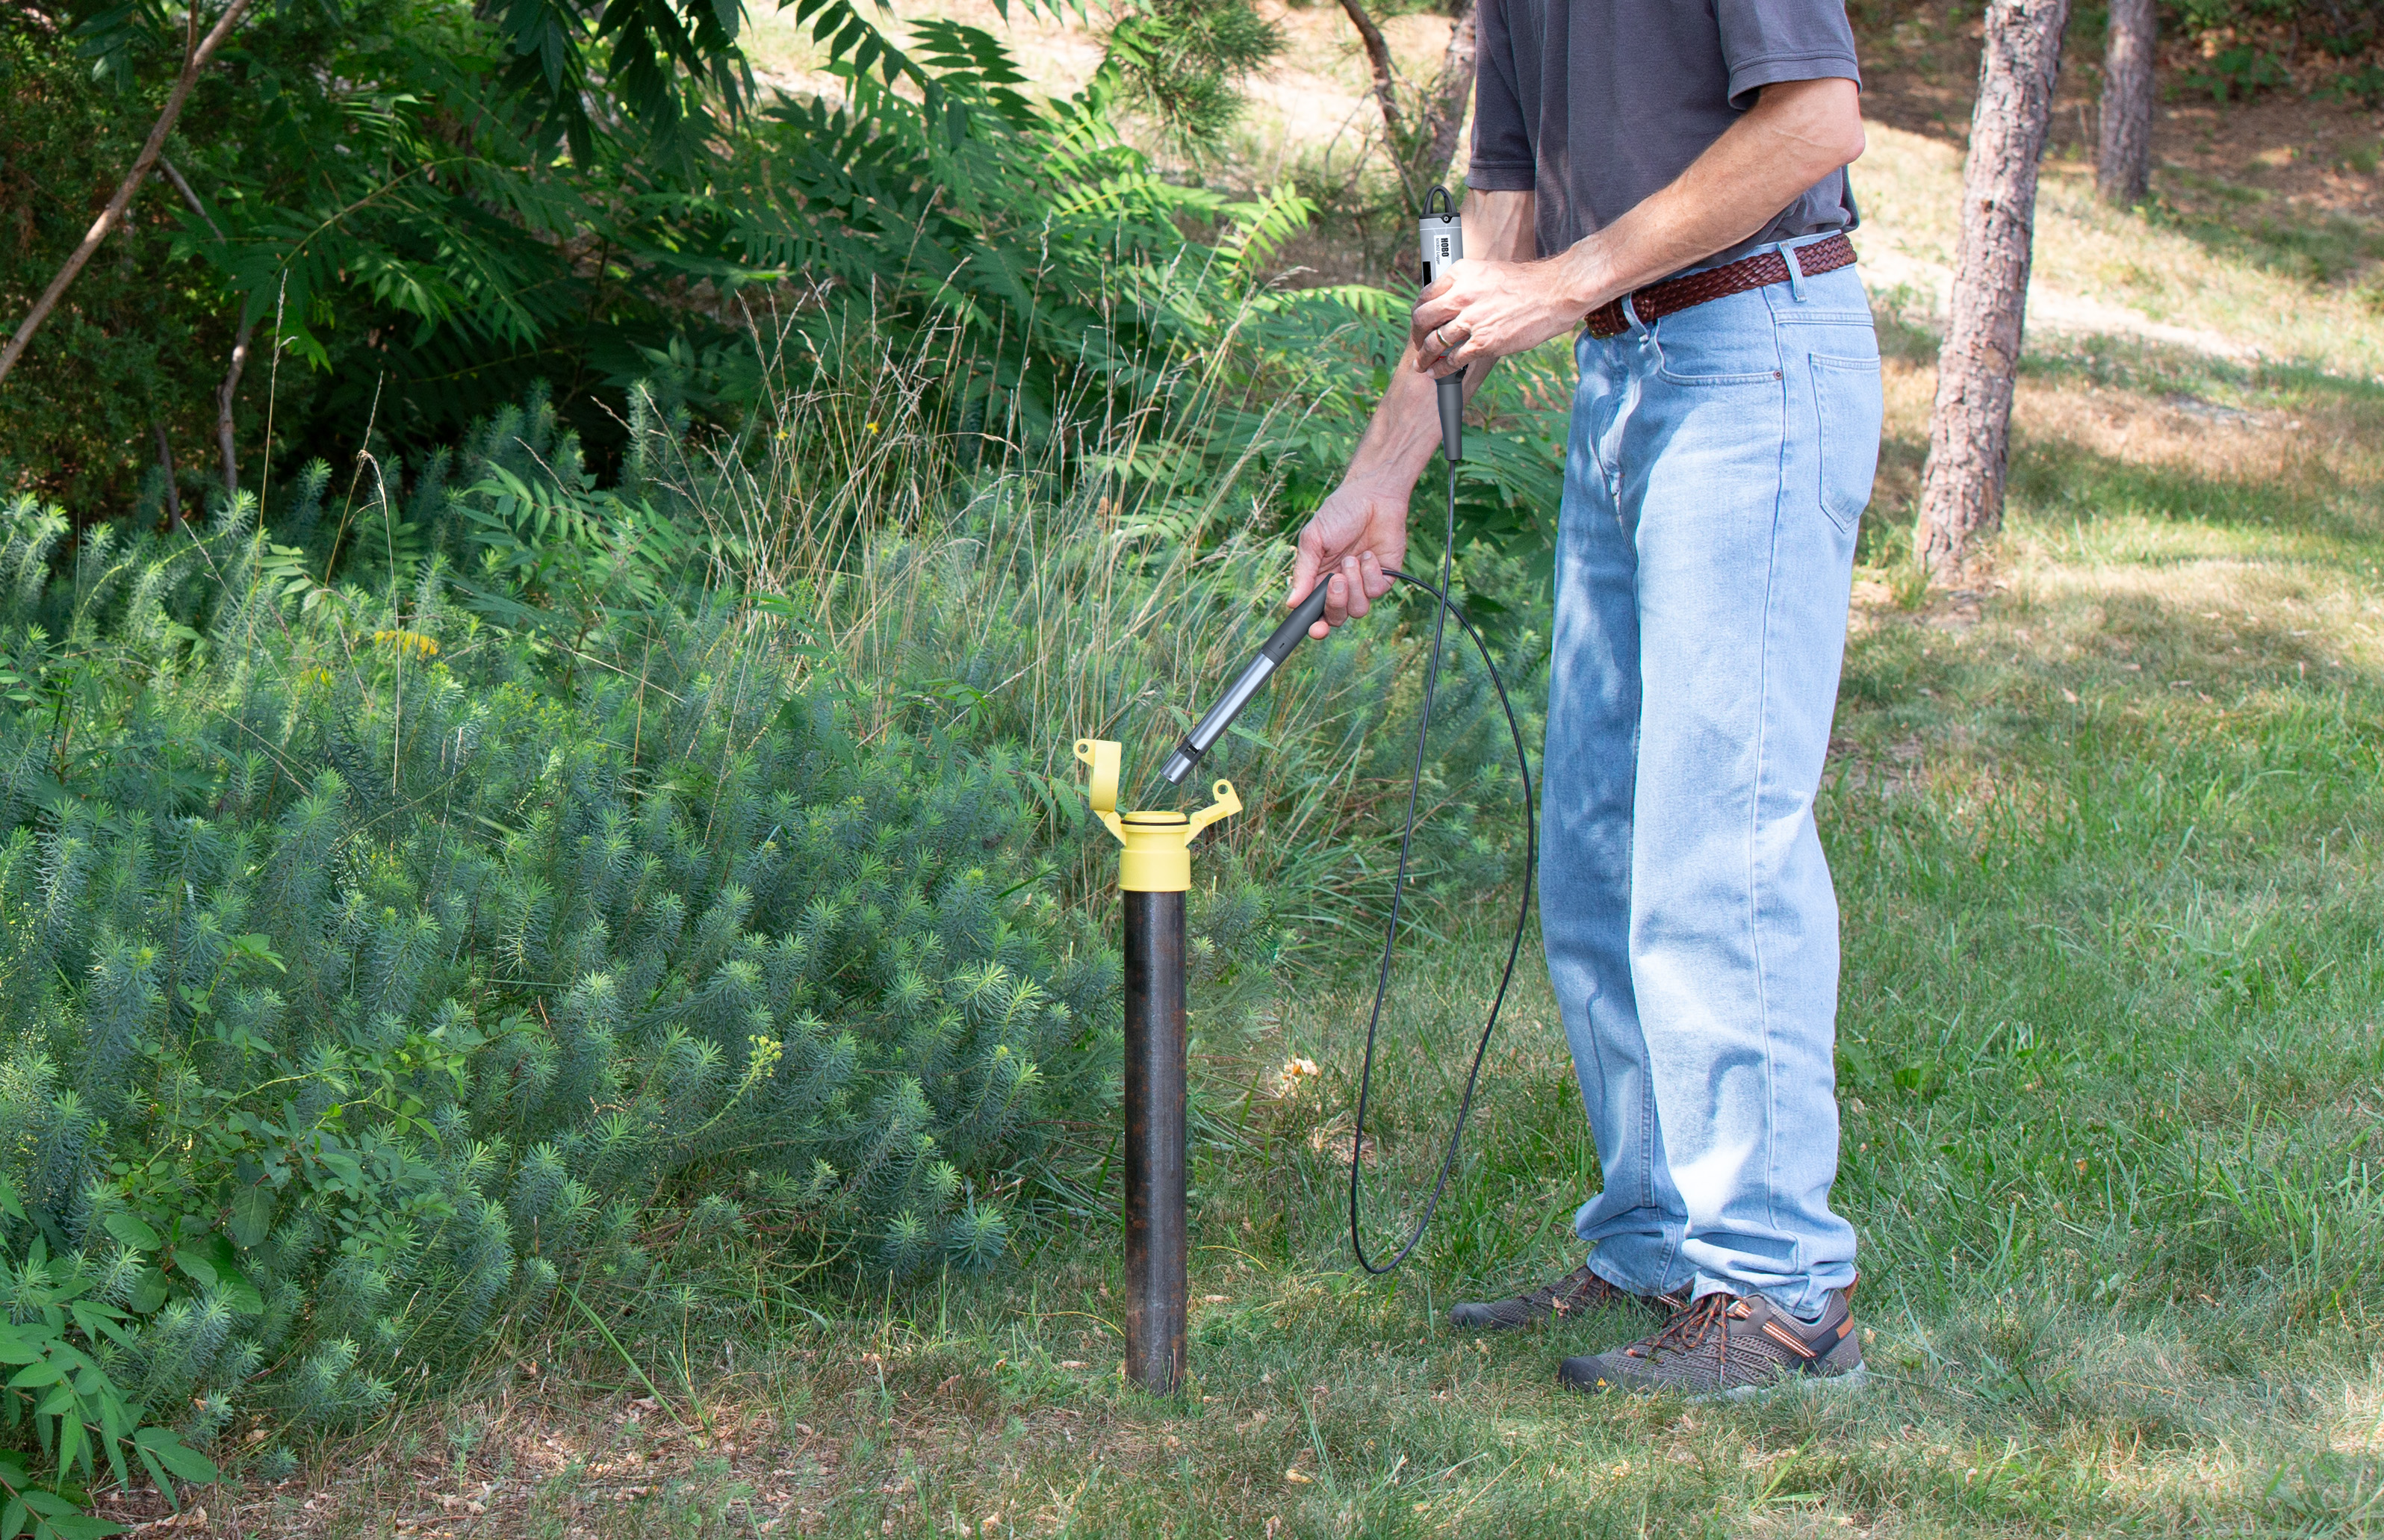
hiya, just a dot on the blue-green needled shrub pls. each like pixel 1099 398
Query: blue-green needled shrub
pixel 369 985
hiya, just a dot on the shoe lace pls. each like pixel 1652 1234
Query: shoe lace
pixel 1688 1328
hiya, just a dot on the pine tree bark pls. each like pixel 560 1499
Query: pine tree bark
pixel 1969 426
pixel 2123 168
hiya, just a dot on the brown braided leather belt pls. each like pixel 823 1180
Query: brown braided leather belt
pixel 1760 271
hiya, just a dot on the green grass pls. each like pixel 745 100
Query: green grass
pixel 2106 841
pixel 2254 227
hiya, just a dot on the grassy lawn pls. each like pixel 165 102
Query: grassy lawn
pixel 2107 839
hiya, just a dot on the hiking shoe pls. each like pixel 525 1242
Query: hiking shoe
pixel 1725 1345
pixel 1577 1292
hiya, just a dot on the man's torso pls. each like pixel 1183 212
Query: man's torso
pixel 1595 104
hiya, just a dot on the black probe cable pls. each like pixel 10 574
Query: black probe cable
pixel 1443 609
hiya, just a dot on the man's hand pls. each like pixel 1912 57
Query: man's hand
pixel 1357 535
pixel 1492 310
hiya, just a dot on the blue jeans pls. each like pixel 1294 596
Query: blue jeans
pixel 1719 465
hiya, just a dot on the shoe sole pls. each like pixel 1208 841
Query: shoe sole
pixel 1853 1379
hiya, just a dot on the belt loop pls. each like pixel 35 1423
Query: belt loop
pixel 1795 272
pixel 1631 314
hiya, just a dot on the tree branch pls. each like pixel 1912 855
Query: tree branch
pixel 1421 154
pixel 1452 94
pixel 224 395
pixel 194 59
pixel 188 196
pixel 230 386
pixel 1386 80
pixel 165 463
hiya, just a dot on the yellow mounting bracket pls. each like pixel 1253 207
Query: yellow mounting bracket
pixel 1158 856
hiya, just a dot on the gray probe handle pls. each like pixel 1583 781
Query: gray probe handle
pixel 1272 652
pixel 1442 236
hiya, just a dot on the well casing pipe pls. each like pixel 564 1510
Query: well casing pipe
pixel 1157 1248
pixel 1154 872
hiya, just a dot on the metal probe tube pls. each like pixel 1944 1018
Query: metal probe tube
pixel 1272 652
pixel 1157 1247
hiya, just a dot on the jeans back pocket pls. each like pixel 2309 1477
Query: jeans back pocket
pixel 1847 406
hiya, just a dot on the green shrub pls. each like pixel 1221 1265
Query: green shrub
pixel 60 1314
pixel 367 988
pixel 395 957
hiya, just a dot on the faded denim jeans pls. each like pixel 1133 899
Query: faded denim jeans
pixel 1720 462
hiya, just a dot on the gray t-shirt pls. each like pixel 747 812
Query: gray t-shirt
pixel 1595 104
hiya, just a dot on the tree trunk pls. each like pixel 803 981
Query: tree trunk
pixel 1421 154
pixel 1970 427
pixel 194 59
pixel 2123 170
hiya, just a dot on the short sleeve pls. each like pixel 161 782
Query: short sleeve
pixel 1764 42
pixel 1502 159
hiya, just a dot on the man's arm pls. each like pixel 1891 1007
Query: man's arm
pixel 1362 527
pixel 1798 132
pixel 1505 301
